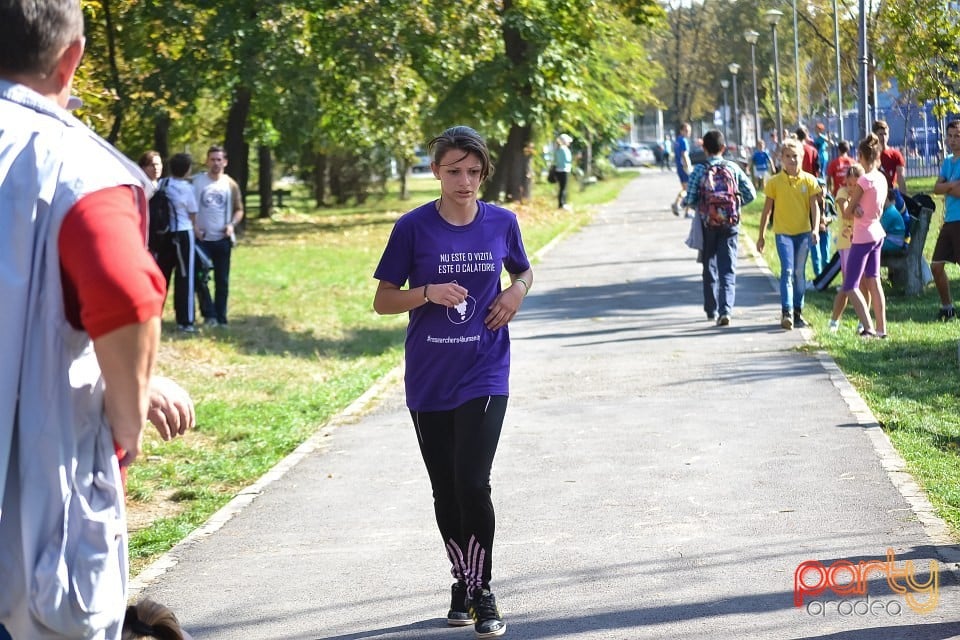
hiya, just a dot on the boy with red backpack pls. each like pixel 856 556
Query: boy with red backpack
pixel 717 190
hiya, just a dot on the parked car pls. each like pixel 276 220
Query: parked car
pixel 657 148
pixel 422 162
pixel 632 155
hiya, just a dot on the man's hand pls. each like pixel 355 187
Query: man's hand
pixel 171 409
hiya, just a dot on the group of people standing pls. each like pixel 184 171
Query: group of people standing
pixel 207 209
pixel 794 180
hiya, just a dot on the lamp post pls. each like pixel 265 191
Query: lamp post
pixel 796 59
pixel 773 17
pixel 725 83
pixel 864 115
pixel 751 37
pixel 836 46
pixel 734 68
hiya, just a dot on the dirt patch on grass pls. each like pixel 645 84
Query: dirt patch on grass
pixel 141 515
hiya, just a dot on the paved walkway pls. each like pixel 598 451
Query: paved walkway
pixel 658 477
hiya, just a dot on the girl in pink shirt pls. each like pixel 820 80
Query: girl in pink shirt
pixel 865 207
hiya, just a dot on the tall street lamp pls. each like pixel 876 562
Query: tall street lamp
pixel 773 17
pixel 734 68
pixel 836 46
pixel 725 83
pixel 796 59
pixel 864 116
pixel 751 37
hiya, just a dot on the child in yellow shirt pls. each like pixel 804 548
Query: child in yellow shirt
pixel 796 195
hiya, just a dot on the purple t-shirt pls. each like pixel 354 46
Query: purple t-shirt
pixel 451 356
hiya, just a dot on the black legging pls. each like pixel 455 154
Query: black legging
pixel 458 447
pixel 176 260
pixel 562 184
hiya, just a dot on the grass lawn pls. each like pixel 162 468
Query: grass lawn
pixel 302 344
pixel 910 381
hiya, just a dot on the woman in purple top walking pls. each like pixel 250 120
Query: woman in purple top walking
pixel 451 253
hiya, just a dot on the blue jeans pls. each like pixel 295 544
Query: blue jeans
pixel 216 308
pixel 793 262
pixel 719 269
pixel 820 253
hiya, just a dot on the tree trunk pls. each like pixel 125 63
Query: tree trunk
pixel 404 169
pixel 511 169
pixel 527 182
pixel 120 103
pixel 493 187
pixel 335 178
pixel 265 180
pixel 235 145
pixel 320 178
pixel 161 135
pixel 587 159
pixel 512 165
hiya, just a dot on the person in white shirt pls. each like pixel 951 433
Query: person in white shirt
pixel 177 258
pixel 220 211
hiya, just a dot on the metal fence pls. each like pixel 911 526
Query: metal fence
pixel 921 163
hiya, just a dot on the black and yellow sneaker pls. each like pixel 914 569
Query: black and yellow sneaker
pixel 459 615
pixel 486 616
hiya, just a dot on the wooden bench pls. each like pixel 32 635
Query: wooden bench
pixel 280 194
pixel 904 268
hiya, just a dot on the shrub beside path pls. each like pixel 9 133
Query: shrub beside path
pixel 658 477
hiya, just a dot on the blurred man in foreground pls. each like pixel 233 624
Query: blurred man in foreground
pixel 82 301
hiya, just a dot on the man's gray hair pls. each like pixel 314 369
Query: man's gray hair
pixel 33 33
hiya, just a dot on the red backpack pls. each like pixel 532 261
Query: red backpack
pixel 719 196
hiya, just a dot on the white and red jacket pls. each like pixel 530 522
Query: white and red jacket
pixel 72 266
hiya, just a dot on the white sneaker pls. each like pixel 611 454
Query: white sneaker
pixel 834 326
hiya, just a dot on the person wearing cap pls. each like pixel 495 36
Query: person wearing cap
pixel 563 165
